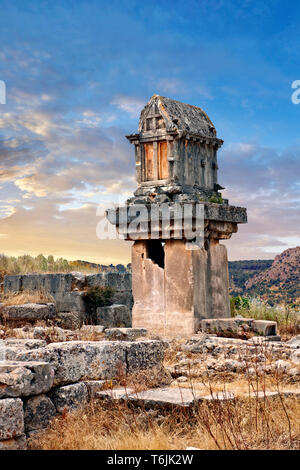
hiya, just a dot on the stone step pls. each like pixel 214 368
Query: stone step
pixel 162 397
pixel 181 397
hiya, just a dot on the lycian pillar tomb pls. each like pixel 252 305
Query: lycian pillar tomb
pixel 179 268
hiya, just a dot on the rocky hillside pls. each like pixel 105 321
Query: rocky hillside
pixel 281 281
pixel 241 271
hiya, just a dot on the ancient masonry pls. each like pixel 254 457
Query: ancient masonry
pixel 174 286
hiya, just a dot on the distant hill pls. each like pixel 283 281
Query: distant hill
pixel 241 271
pixel 280 281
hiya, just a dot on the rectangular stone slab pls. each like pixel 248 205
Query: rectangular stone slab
pixel 263 327
pixel 29 312
pixel 164 397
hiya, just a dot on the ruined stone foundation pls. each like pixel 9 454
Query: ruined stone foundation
pixel 175 288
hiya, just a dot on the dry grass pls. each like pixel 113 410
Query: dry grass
pixel 218 425
pixel 145 379
pixel 28 297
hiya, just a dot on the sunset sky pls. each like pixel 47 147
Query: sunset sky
pixel 77 74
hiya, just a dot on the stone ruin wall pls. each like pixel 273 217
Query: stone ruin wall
pixel 68 289
pixel 40 381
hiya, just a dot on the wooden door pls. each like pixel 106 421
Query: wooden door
pixel 162 160
pixel 149 161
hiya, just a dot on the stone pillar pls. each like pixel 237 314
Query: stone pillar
pixel 192 285
pixel 218 281
pixel 178 288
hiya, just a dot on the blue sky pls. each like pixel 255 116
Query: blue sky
pixel 77 75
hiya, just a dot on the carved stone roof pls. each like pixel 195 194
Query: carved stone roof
pixel 178 116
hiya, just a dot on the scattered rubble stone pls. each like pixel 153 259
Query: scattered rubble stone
pixel 182 378
pixel 55 333
pixel 95 331
pixel 69 320
pixel 295 341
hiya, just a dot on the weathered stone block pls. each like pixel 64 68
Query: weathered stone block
pixel 69 302
pixel 95 360
pixel 219 325
pixel 114 316
pixel 222 325
pixel 78 360
pixel 47 282
pixel 29 312
pixel 118 281
pixel 12 283
pixel 125 334
pixel 123 298
pixel 38 412
pixel 70 397
pixel 11 418
pixel 167 397
pixel 264 327
pixel 25 378
pixel 11 347
pixel 144 354
pixel 93 280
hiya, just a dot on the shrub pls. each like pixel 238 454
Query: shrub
pixel 216 199
pixel 95 297
pixel 238 303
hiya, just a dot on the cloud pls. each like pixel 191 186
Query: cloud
pixel 266 182
pixel 70 233
pixel 129 104
pixel 170 85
